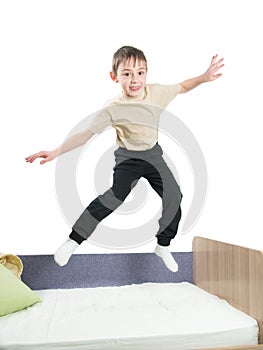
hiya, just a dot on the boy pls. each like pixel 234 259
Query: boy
pixel 135 116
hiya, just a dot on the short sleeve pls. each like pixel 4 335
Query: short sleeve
pixel 164 94
pixel 100 121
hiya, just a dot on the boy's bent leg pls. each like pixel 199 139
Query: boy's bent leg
pixel 82 229
pixel 124 179
pixel 164 183
pixel 97 210
pixel 85 225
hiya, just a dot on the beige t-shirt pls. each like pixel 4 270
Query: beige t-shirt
pixel 136 119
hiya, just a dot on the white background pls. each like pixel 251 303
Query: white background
pixel 55 61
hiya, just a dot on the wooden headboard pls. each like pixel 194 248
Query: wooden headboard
pixel 233 273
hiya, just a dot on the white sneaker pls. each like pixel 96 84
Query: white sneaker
pixel 64 252
pixel 164 253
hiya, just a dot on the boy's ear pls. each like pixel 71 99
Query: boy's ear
pixel 114 77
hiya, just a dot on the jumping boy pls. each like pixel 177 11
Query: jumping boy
pixel 135 116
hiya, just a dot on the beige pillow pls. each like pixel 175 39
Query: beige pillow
pixel 13 263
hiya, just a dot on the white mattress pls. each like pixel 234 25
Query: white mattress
pixel 146 316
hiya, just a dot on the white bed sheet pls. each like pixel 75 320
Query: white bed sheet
pixel 146 316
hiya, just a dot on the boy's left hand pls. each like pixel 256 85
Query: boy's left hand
pixel 215 65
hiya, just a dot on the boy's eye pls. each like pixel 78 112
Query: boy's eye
pixel 141 73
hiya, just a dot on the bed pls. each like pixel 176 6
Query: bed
pixel 131 301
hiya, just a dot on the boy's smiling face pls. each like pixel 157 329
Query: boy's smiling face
pixel 131 75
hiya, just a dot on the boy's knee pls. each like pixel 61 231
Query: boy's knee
pixel 120 194
pixel 110 200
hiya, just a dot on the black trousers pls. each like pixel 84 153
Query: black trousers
pixel 130 167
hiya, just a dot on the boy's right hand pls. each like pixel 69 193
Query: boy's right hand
pixel 47 155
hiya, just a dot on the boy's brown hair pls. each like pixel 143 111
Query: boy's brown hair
pixel 125 53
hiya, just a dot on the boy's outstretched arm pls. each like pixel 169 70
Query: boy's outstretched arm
pixel 209 75
pixel 72 142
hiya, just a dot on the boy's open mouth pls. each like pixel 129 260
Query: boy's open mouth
pixel 135 88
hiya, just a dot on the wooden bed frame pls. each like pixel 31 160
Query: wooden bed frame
pixel 233 273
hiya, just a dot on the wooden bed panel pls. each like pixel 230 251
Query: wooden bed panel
pixel 233 273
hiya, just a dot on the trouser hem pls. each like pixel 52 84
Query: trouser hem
pixel 163 242
pixel 76 237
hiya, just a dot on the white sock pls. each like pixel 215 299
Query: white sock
pixel 164 253
pixel 64 252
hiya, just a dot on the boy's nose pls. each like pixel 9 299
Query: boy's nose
pixel 134 78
